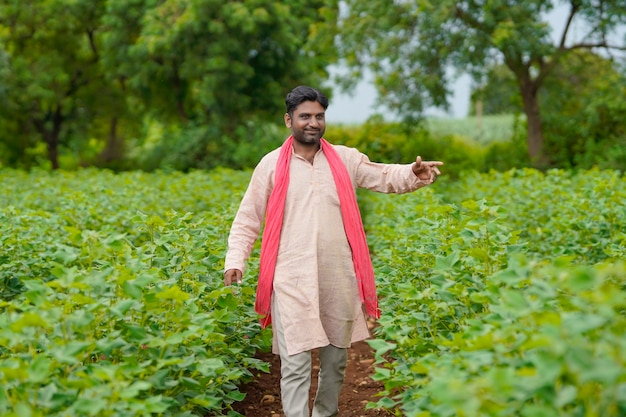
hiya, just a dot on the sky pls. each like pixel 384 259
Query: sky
pixel 358 106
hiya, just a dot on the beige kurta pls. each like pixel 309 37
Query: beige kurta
pixel 315 286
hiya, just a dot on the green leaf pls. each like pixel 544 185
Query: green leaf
pixel 206 401
pixel 580 279
pixel 381 374
pixel 444 263
pixel 565 396
pixel 131 290
pixel 90 406
pixel 236 395
pixel 173 293
pixel 134 389
pixel 380 347
pixel 538 410
pixel 548 367
pixel 579 322
pixel 28 319
pixel 120 308
pixel 39 369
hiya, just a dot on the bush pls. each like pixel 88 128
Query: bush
pixel 201 146
pixel 392 143
pixel 504 155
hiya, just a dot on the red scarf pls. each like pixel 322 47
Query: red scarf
pixel 352 223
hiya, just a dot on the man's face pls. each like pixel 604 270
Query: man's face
pixel 307 123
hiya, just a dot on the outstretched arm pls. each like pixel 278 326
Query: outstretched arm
pixel 391 178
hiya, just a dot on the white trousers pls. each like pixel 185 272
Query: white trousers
pixel 295 381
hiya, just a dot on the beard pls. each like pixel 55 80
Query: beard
pixel 308 137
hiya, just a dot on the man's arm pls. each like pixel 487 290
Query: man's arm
pixel 247 224
pixel 393 178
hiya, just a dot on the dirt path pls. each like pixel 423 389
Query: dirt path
pixel 263 394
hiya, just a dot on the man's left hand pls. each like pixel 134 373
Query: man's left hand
pixel 426 171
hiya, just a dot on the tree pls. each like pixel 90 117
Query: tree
pixel 207 67
pixel 53 83
pixel 75 70
pixel 583 110
pixel 411 45
pixel 498 93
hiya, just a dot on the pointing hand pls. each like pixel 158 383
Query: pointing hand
pixel 426 171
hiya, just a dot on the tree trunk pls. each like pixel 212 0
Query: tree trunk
pixel 114 149
pixel 50 130
pixel 52 144
pixel 180 97
pixel 530 100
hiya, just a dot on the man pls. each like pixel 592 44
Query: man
pixel 316 281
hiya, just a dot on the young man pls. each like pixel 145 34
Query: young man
pixel 316 281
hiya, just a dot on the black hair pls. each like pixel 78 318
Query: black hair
pixel 301 94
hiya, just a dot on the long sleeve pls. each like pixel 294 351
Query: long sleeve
pixel 383 178
pixel 250 217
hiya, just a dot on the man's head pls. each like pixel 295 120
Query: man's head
pixel 303 93
pixel 306 114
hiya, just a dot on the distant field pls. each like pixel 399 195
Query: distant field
pixel 483 130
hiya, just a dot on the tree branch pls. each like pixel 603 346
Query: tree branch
pixel 467 18
pixel 568 23
pixel 92 43
pixel 75 84
pixel 603 44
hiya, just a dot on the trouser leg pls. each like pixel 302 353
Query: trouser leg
pixel 295 375
pixel 333 362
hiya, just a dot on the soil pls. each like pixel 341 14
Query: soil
pixel 263 393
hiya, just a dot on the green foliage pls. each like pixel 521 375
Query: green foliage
pixel 502 295
pixel 498 94
pixel 508 154
pixel 583 112
pixel 115 302
pixel 83 76
pixel 381 141
pixel 201 146
pixel 212 61
pixel 391 143
pixel 560 213
pixel 53 83
pixel 411 46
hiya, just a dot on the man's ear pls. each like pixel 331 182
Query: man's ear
pixel 288 120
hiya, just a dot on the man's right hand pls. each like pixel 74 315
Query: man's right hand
pixel 232 276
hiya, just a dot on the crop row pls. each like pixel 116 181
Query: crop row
pixel 113 302
pixel 502 295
